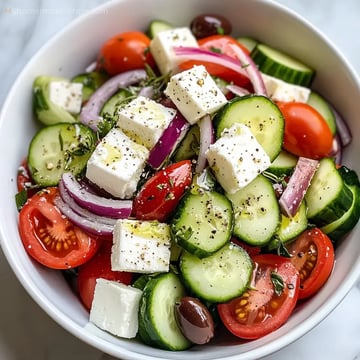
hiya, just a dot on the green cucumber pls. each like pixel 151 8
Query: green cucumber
pixel 91 81
pixel 338 228
pixel 220 277
pixel 157 322
pixel 276 63
pixel 249 42
pixel 58 148
pixel 256 212
pixel 157 26
pixel 189 146
pixel 260 114
pixel 290 228
pixel 327 198
pixel 323 107
pixel 202 222
pixel 284 164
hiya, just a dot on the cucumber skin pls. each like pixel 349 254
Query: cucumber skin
pixel 147 330
pixel 338 205
pixel 223 119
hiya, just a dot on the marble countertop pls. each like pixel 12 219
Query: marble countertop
pixel 26 332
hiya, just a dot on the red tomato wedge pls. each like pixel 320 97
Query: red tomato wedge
pixel 312 253
pixel 306 132
pixel 99 266
pixel 161 194
pixel 220 44
pixel 51 238
pixel 264 307
pixel 125 51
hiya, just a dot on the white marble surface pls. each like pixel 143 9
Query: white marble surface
pixel 26 332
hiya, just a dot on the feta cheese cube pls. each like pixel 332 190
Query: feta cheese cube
pixel 115 308
pixel 140 246
pixel 162 45
pixel 116 164
pixel 280 90
pixel 66 95
pixel 237 158
pixel 195 93
pixel 144 120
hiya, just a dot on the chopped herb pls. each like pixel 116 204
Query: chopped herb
pixel 215 50
pixel 277 282
pixel 20 199
pixel 220 30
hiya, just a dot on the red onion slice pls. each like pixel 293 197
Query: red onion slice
pixel 169 140
pixel 336 151
pixel 87 224
pixel 343 129
pixel 237 90
pixel 251 69
pixel 206 139
pixel 192 53
pixel 69 200
pixel 89 114
pixel 118 209
pixel 299 182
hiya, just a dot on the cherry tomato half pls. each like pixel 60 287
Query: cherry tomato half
pixel 261 309
pixel 160 194
pixel 306 132
pixel 125 51
pixel 313 255
pixel 220 44
pixel 50 237
pixel 99 266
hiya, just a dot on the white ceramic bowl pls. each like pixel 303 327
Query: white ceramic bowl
pixel 69 53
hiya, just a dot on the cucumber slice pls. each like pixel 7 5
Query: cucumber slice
pixel 157 322
pixel 338 228
pixel 157 26
pixel 189 146
pixel 290 228
pixel 327 198
pixel 323 107
pixel 202 223
pixel 284 164
pixel 59 148
pixel 256 212
pixel 249 42
pixel 260 114
pixel 220 277
pixel 282 66
pixel 91 81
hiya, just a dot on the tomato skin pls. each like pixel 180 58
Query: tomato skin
pixel 260 311
pixel 306 132
pixel 99 266
pixel 125 51
pixel 313 255
pixel 24 181
pixel 51 238
pixel 161 193
pixel 220 44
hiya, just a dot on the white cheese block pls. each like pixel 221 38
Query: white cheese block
pixel 140 246
pixel 144 120
pixel 236 158
pixel 115 308
pixel 116 164
pixel 162 45
pixel 195 93
pixel 66 95
pixel 280 90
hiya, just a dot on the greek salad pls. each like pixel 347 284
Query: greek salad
pixel 188 183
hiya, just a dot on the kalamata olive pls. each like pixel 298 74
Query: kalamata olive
pixel 194 320
pixel 208 24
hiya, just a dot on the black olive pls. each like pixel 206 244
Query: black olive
pixel 208 24
pixel 194 320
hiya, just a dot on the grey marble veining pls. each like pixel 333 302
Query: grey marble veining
pixel 26 332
